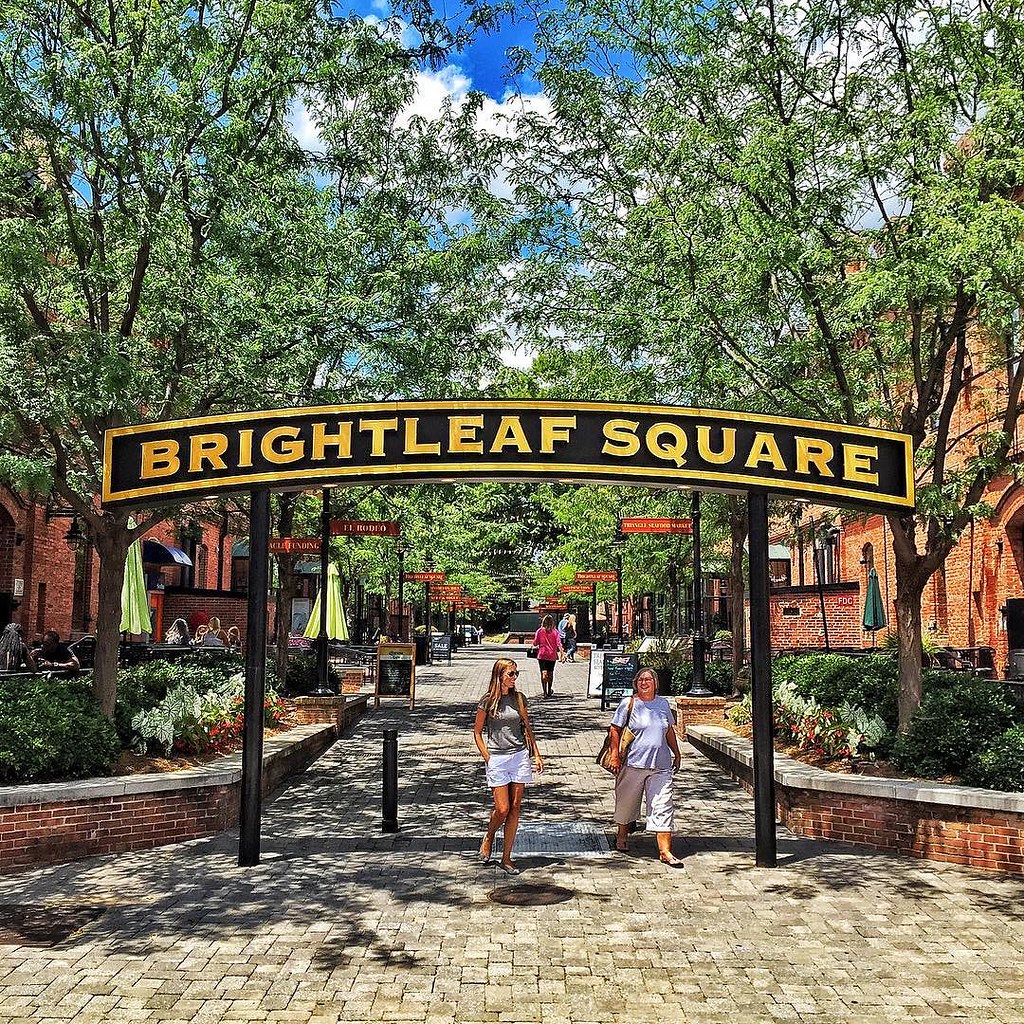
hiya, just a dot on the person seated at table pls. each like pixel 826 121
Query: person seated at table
pixel 14 653
pixel 53 653
pixel 178 633
pixel 215 636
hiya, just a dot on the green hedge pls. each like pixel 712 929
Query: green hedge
pixel 960 716
pixel 53 729
pixel 1001 766
pixel 871 683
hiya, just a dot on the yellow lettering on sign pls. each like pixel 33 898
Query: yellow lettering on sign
pixel 857 460
pixel 342 440
pixel 244 449
pixel 555 428
pixel 728 452
pixel 510 434
pixel 413 445
pixel 205 448
pixel 462 431
pixel 289 450
pixel 620 438
pixel 813 452
pixel 377 429
pixel 672 450
pixel 159 458
pixel 765 449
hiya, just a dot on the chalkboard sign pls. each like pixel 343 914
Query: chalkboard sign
pixel 441 647
pixel 396 672
pixel 617 677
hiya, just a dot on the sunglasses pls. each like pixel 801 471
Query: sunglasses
pixel 512 673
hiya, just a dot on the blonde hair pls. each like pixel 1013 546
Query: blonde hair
pixel 501 666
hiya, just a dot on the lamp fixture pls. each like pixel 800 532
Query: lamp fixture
pixel 75 535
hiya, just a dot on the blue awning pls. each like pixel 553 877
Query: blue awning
pixel 155 553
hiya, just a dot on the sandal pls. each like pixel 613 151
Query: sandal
pixel 672 862
pixel 509 869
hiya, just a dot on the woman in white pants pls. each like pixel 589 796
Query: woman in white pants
pixel 650 764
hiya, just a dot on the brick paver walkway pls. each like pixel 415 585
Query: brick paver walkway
pixel 341 923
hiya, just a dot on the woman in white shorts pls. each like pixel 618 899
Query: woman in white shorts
pixel 505 741
pixel 651 761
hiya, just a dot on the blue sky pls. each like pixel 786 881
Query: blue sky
pixel 484 63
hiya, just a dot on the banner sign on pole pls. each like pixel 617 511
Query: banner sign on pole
pixel 425 577
pixel 446 590
pixel 363 528
pixel 598 576
pixel 295 545
pixel 577 588
pixel 684 526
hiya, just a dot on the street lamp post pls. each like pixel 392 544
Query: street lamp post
pixel 618 594
pixel 401 603
pixel 698 688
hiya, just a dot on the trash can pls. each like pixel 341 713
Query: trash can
pixel 421 649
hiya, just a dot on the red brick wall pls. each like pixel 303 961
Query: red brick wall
pixel 959 835
pixel 843 608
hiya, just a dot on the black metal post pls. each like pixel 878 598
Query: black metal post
pixel 698 688
pixel 255 679
pixel 761 683
pixel 390 799
pixel 323 684
pixel 618 595
pixel 402 630
pixel 430 627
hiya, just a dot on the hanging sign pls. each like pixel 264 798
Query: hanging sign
pixel 598 576
pixel 446 590
pixel 580 442
pixel 363 528
pixel 295 545
pixel 424 577
pixel 683 526
pixel 577 588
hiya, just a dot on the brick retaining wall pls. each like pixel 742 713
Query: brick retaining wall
pixel 932 820
pixel 54 823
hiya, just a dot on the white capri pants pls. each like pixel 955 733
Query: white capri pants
pixel 632 784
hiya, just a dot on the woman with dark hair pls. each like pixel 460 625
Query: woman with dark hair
pixel 651 761
pixel 505 740
pixel 549 650
pixel 14 654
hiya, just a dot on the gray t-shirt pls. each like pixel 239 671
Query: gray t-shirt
pixel 649 723
pixel 503 731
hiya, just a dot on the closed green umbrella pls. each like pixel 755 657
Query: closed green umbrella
pixel 337 627
pixel 134 596
pixel 874 608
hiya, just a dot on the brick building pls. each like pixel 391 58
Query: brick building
pixel 49 575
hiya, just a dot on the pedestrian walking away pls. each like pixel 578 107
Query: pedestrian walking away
pixel 569 637
pixel 505 740
pixel 650 763
pixel 549 650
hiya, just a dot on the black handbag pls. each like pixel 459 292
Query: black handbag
pixel 532 652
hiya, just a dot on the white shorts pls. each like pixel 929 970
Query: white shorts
pixel 632 784
pixel 505 768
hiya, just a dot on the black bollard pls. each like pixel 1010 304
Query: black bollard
pixel 390 802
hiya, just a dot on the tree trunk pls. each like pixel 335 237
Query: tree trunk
pixel 737 609
pixel 112 540
pixel 910 584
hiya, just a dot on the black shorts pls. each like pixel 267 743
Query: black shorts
pixel 546 666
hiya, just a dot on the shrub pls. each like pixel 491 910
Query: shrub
pixel 717 678
pixel 871 682
pixel 301 675
pixel 53 728
pixel 952 723
pixel 1001 766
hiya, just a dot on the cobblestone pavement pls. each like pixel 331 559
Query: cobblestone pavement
pixel 341 923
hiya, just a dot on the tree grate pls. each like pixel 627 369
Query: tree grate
pixel 28 925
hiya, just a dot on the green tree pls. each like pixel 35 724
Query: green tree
pixel 168 249
pixel 804 209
